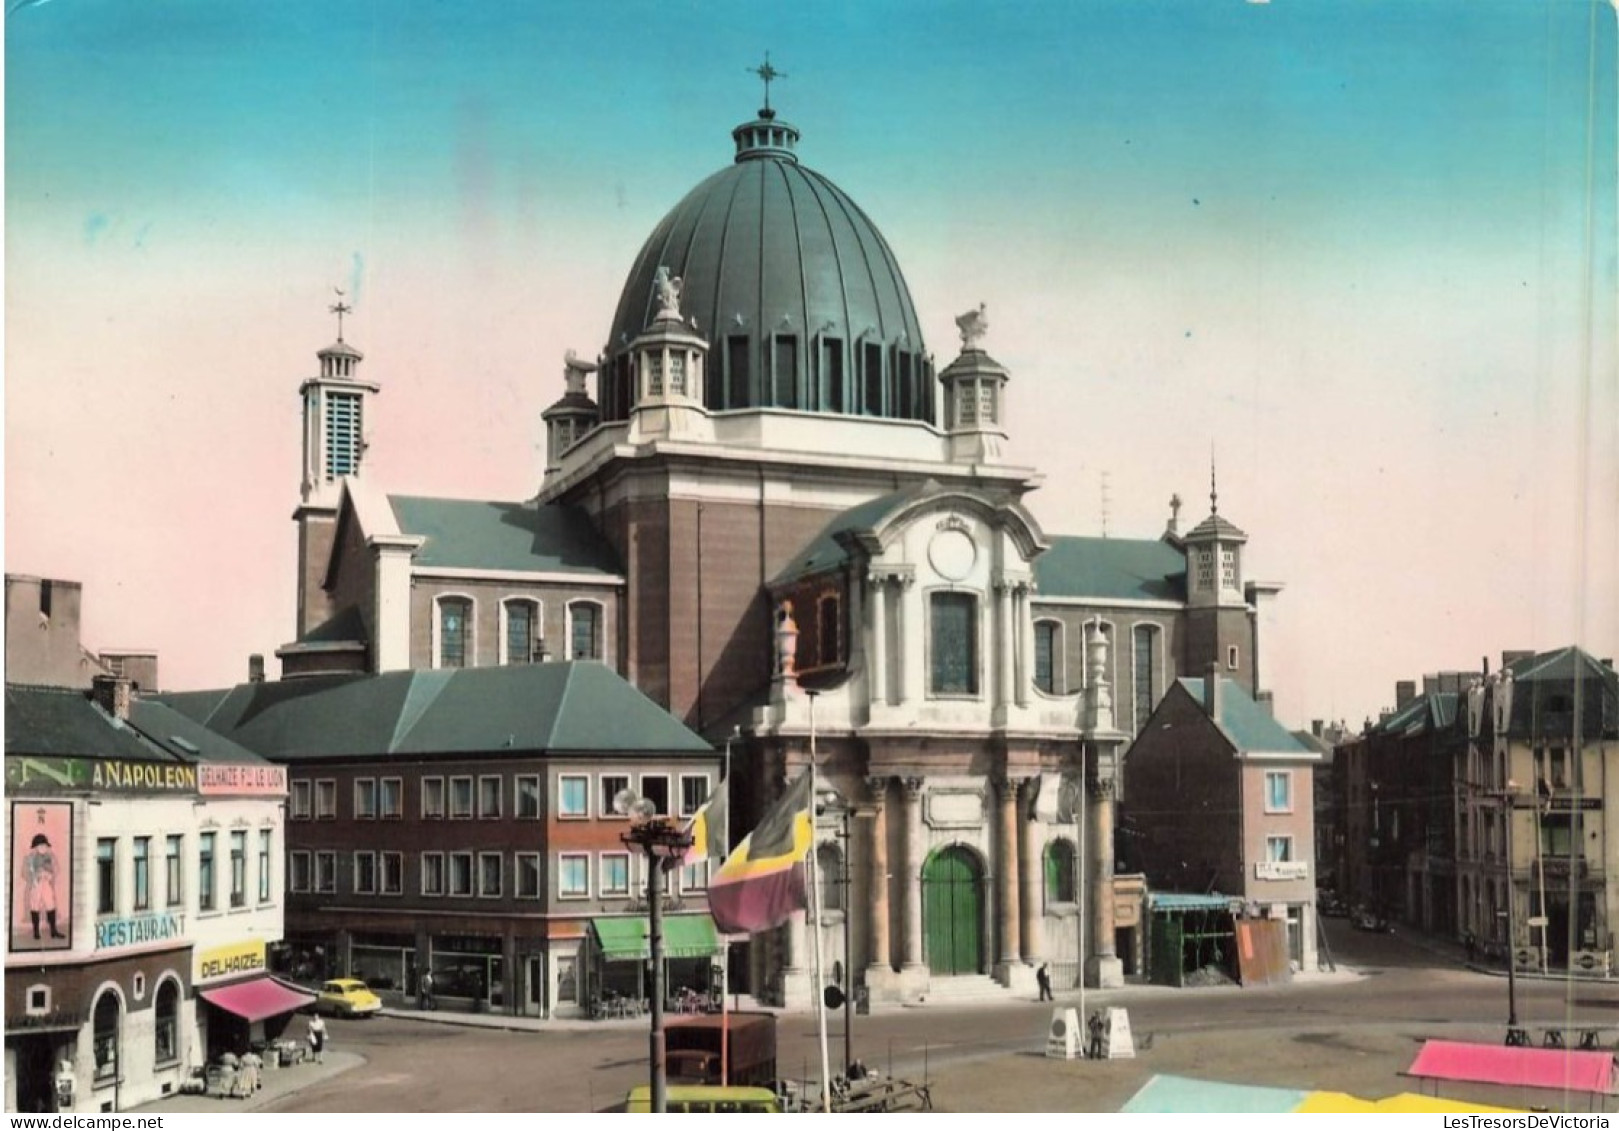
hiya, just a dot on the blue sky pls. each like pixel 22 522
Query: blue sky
pixel 1364 250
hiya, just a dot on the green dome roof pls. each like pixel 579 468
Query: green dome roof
pixel 798 295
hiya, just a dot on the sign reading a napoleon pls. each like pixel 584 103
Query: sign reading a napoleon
pixel 41 875
pixel 107 775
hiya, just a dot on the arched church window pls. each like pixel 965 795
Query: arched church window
pixel 1047 654
pixel 520 635
pixel 1062 885
pixel 454 632
pixel 584 631
pixel 1144 641
pixel 953 638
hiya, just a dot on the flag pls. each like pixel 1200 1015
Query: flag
pixel 762 883
pixel 709 831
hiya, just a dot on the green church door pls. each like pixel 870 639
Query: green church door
pixel 953 905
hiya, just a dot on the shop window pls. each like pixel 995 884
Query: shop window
pixel 166 1022
pixel 105 1025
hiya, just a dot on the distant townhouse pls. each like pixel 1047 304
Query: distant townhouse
pixel 1219 795
pixel 1484 807
pixel 144 898
pixel 467 821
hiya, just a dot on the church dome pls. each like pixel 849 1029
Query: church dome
pixel 798 295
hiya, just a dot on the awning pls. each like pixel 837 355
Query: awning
pixel 684 936
pixel 1524 1067
pixel 257 998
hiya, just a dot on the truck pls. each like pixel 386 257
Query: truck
pixel 693 1045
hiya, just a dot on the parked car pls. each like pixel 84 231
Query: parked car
pixel 347 997
pixel 1367 921
pixel 1330 904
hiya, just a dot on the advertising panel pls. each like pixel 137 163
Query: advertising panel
pixel 41 875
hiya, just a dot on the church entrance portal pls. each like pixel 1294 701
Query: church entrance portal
pixel 953 907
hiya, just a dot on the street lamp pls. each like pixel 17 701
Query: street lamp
pixel 832 803
pixel 663 843
pixel 1514 1037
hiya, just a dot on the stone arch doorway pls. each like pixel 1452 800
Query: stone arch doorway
pixel 953 911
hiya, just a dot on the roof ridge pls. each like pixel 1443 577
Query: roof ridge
pixel 415 706
pixel 562 705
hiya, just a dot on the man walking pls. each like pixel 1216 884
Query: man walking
pixel 1042 978
pixel 425 998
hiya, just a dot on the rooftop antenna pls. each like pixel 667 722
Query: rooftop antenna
pixel 340 308
pixel 1214 491
pixel 1106 500
pixel 769 74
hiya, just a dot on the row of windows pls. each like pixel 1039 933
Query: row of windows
pixel 482 875
pixel 482 796
pixel 522 637
pixel 144 863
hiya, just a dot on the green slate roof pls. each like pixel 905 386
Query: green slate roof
pixel 63 722
pixel 1111 568
pixel 1251 728
pixel 1431 711
pixel 470 534
pixel 572 707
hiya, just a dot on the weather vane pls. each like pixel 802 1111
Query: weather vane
pixel 769 74
pixel 340 308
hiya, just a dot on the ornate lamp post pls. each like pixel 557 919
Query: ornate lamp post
pixel 663 842
pixel 832 804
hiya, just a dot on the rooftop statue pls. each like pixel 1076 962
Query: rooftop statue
pixel 973 326
pixel 667 291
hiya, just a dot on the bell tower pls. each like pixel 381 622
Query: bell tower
pixel 1219 621
pixel 336 404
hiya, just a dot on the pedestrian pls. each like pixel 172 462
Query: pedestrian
pixel 1471 944
pixel 248 1080
pixel 317 1037
pixel 424 989
pixel 1095 1026
pixel 1042 978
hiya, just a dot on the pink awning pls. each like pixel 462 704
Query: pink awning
pixel 1569 1069
pixel 257 998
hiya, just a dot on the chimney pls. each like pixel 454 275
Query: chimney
pixel 255 668
pixel 1404 692
pixel 1211 692
pixel 111 693
pixel 1317 727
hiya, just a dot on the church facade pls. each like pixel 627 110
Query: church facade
pixel 768 509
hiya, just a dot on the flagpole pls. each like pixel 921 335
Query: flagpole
pixel 725 943
pixel 818 984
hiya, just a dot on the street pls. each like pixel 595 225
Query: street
pixel 1346 1035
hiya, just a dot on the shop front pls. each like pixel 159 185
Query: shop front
pixel 617 956
pixel 242 1006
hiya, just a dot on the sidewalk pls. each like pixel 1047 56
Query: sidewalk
pixel 274 1084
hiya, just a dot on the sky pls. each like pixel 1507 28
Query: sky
pixel 1361 255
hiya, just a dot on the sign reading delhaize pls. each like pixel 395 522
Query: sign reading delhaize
pixel 217 777
pixel 229 961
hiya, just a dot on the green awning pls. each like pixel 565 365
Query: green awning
pixel 684 936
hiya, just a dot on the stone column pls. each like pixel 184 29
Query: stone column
pixel 881 958
pixel 1101 960
pixel 1034 846
pixel 915 851
pixel 877 589
pixel 1009 969
pixel 1004 645
pixel 1023 634
pixel 913 628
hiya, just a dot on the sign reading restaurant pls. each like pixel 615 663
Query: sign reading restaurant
pixel 138 929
